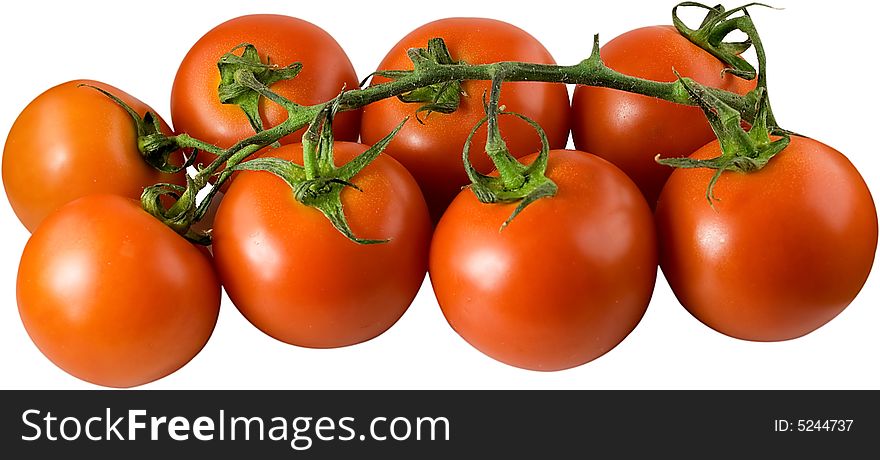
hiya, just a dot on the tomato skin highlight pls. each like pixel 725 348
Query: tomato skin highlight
pixel 628 129
pixel 73 141
pixel 298 279
pixel 195 104
pixel 565 282
pixel 114 297
pixel 432 151
pixel 784 250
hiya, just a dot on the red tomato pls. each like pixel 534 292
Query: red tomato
pixel 70 142
pixel 432 151
pixel 628 129
pixel 113 296
pixel 784 250
pixel 565 282
pixel 298 279
pixel 195 104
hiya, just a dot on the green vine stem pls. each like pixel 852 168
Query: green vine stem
pixel 590 72
pixel 432 67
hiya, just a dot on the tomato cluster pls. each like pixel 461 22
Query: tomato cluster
pixel 114 296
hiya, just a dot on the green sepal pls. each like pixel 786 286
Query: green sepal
pixel 241 75
pixel 325 195
pixel 349 170
pixel 742 151
pixel 443 98
pixel 545 188
pixel 435 53
pixel 288 171
pixel 155 147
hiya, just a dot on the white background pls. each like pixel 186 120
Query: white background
pixel 822 77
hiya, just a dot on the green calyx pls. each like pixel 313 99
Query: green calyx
pixel 245 78
pixel 318 183
pixel 442 97
pixel 182 214
pixel 742 151
pixel 515 182
pixel 154 145
pixel 710 36
pixel 716 26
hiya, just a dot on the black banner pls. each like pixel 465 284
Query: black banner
pixel 439 424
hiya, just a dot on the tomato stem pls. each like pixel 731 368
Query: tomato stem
pixel 516 182
pixel 509 169
pixel 311 141
pixel 319 182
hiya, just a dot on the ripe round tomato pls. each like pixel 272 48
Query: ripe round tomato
pixel 784 250
pixel 432 151
pixel 565 282
pixel 195 104
pixel 113 296
pixel 297 278
pixel 629 130
pixel 73 141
